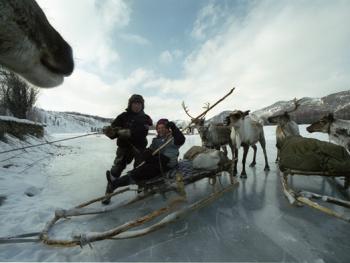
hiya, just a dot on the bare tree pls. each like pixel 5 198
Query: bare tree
pixel 16 95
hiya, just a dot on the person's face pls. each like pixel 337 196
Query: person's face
pixel 162 130
pixel 136 106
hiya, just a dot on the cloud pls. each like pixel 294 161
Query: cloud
pixel 280 50
pixel 165 57
pixel 276 50
pixel 207 19
pixel 87 93
pixel 135 39
pixel 88 25
pixel 114 13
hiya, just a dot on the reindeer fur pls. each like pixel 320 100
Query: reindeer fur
pixel 30 46
pixel 246 131
pixel 337 129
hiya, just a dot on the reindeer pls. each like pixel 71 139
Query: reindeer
pixel 337 129
pixel 285 126
pixel 245 132
pixel 214 135
pixel 30 46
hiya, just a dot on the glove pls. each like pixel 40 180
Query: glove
pixel 124 133
pixel 147 155
pixel 109 132
pixel 171 125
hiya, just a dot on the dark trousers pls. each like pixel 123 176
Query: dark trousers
pixel 123 158
pixel 151 169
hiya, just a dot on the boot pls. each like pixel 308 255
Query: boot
pixel 109 189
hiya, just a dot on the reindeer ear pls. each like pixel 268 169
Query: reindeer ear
pixel 245 113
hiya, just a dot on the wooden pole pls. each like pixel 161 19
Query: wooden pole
pixel 302 198
pixel 175 215
pixel 321 208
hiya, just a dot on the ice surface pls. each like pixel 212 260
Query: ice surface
pixel 254 222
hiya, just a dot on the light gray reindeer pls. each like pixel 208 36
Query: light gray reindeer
pixel 337 129
pixel 285 126
pixel 30 46
pixel 246 131
pixel 213 135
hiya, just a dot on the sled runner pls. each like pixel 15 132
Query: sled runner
pixel 175 208
pixel 311 157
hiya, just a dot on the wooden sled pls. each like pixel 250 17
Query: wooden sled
pixel 304 197
pixel 174 209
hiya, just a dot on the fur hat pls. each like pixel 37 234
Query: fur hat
pixel 136 98
pixel 162 121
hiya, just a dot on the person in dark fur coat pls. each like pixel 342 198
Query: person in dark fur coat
pixel 131 129
pixel 157 164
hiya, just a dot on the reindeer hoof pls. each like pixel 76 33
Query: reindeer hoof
pixel 252 165
pixel 267 168
pixel 243 176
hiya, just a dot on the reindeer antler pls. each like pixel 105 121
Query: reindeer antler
pixel 206 105
pixel 296 105
pixel 186 110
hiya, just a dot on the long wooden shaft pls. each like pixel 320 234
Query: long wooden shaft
pixel 199 116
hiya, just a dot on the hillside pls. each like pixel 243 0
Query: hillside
pixel 70 122
pixel 310 109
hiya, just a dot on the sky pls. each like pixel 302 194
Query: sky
pixel 171 51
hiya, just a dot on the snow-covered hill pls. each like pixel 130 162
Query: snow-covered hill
pixel 310 110
pixel 70 122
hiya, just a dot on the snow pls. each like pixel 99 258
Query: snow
pixel 253 222
pixel 9 118
pixel 65 122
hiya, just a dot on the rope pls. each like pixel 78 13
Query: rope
pixel 22 238
pixel 40 144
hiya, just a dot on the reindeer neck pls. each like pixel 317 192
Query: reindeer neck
pixel 339 131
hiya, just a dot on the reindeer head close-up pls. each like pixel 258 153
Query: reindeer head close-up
pixel 321 125
pixel 284 118
pixel 30 46
pixel 236 117
pixel 279 119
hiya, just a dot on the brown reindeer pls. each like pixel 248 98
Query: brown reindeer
pixel 30 46
pixel 285 126
pixel 337 129
pixel 213 135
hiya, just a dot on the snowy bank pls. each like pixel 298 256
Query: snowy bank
pixel 19 127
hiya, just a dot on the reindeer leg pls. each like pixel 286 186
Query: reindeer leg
pixel 254 158
pixel 278 154
pixel 245 148
pixel 263 146
pixel 235 161
pixel 234 154
pixel 224 148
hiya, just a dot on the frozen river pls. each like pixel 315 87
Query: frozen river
pixel 254 222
